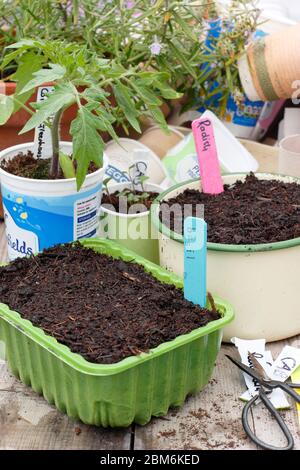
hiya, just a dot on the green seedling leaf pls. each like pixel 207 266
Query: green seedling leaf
pixel 29 63
pixel 66 165
pixel 127 105
pixel 105 184
pixel 87 143
pixel 143 178
pixel 62 96
pixel 145 93
pixel 6 108
pixel 55 72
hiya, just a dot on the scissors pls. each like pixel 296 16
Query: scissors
pixel 266 387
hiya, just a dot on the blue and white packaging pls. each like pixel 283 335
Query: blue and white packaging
pixel 41 213
pixel 241 118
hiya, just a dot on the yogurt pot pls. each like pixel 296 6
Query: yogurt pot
pixel 41 213
pixel 127 153
pixel 132 231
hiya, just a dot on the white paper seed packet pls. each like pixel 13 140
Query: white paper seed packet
pixel 257 347
pixel 286 363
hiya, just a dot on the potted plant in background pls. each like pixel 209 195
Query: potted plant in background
pixel 228 31
pixel 155 36
pixel 159 35
pixel 34 206
pixel 45 20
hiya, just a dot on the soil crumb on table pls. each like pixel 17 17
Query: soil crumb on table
pixel 100 307
pixel 250 212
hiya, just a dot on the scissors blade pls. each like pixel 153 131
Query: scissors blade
pixel 258 368
pixel 252 372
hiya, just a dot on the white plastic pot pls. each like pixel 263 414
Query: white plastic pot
pixel 41 213
pixel 123 154
pixel 260 281
pixel 133 231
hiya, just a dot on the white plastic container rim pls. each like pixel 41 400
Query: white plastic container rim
pixel 162 228
pixel 47 187
pixel 137 144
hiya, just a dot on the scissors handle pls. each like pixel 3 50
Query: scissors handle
pixel 245 420
pixel 288 388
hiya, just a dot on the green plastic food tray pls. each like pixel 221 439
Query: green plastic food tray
pixel 114 395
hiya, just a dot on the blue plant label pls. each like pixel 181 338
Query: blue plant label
pixel 37 222
pixel 195 252
pixel 42 134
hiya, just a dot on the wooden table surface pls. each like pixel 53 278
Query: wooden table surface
pixel 209 420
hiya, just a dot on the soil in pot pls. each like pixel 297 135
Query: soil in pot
pixel 100 307
pixel 142 198
pixel 250 212
pixel 27 166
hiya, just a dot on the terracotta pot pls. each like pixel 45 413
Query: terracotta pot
pixel 9 133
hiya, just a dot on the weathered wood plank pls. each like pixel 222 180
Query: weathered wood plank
pixel 264 427
pixel 212 418
pixel 27 421
pixel 209 420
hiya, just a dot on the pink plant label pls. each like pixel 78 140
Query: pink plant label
pixel 207 156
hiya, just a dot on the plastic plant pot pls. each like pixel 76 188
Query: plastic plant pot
pixel 133 231
pixel 41 213
pixel 115 395
pixel 261 281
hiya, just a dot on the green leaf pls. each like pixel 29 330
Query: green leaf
pixel 166 91
pixel 62 96
pixel 180 56
pixel 30 63
pixel 87 143
pixel 42 76
pixel 184 26
pixel 8 58
pixel 145 93
pixel 104 123
pixel 158 117
pixel 95 94
pixel 143 178
pixel 6 108
pixel 150 77
pixel 25 44
pixel 66 165
pixel 126 103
